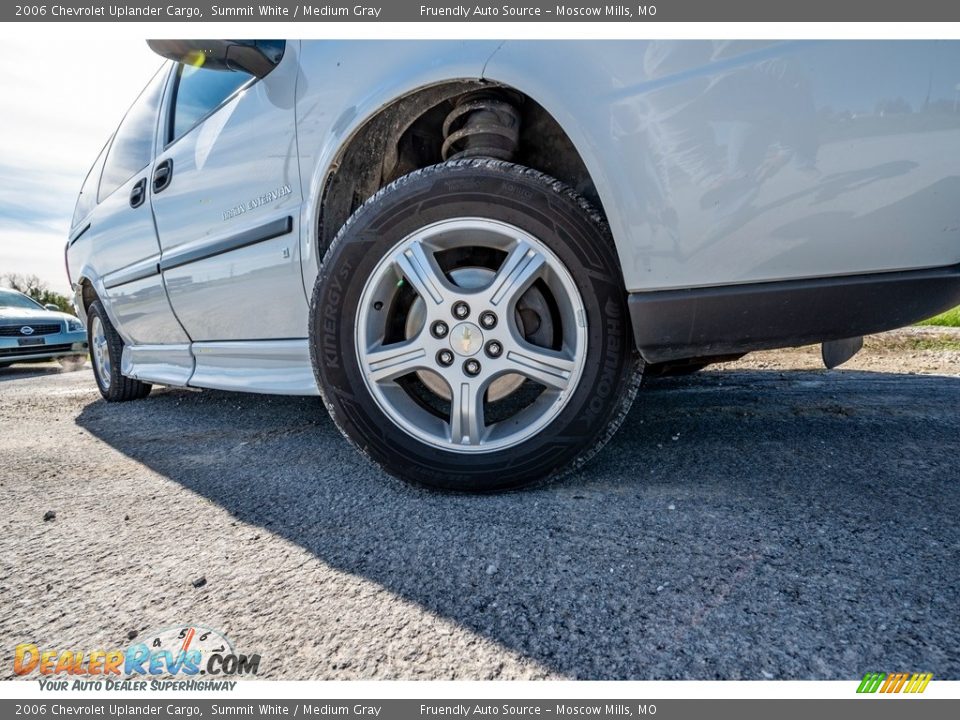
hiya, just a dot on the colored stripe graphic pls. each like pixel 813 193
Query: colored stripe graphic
pixel 870 682
pixel 894 682
pixel 918 683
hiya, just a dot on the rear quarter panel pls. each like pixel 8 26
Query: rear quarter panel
pixel 733 162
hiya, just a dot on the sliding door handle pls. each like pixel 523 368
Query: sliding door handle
pixel 138 193
pixel 162 175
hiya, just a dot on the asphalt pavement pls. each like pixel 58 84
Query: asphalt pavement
pixel 743 524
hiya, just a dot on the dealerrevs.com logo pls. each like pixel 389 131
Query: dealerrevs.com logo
pixel 888 683
pixel 189 657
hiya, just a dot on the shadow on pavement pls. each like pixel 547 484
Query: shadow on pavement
pixel 740 525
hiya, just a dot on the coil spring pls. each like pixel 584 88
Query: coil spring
pixel 481 125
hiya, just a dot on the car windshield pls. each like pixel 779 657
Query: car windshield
pixel 18 301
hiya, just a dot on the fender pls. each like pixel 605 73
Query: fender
pixel 359 79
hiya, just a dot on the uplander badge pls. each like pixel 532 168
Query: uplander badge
pixel 256 202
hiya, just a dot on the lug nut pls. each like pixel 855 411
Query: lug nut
pixel 461 310
pixel 471 367
pixel 439 329
pixel 445 358
pixel 494 349
pixel 488 320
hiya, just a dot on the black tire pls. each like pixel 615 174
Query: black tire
pixel 120 388
pixel 571 229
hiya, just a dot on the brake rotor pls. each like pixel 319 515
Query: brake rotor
pixel 532 316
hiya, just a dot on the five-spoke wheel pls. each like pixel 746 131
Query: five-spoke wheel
pixel 469 328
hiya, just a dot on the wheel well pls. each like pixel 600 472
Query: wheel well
pixel 408 134
pixel 87 295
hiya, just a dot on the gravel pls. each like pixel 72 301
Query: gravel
pixel 749 522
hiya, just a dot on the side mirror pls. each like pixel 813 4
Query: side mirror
pixel 52 307
pixel 257 57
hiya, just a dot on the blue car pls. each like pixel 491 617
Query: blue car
pixel 31 332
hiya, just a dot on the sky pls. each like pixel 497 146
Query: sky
pixel 59 104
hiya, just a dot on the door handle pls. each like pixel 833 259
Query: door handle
pixel 162 175
pixel 138 193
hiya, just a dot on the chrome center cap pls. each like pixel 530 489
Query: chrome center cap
pixel 466 339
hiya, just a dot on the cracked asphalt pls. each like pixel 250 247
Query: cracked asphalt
pixel 746 522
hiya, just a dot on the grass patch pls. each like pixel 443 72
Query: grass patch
pixel 935 344
pixel 951 318
pixel 918 344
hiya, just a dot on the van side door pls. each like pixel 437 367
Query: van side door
pixel 226 197
pixel 124 251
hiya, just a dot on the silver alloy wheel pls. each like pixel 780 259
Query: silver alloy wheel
pixel 455 342
pixel 100 352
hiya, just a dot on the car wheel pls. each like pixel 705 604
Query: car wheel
pixel 469 329
pixel 106 349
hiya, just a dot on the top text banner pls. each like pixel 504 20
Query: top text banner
pixel 523 11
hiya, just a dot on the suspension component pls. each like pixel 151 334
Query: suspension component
pixel 481 124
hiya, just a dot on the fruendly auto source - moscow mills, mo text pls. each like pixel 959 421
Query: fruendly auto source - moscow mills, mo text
pixel 520 11
pixel 310 11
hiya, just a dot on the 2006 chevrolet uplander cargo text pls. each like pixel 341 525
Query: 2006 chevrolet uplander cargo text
pixel 473 250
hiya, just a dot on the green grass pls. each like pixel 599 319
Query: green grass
pixel 928 344
pixel 911 343
pixel 951 318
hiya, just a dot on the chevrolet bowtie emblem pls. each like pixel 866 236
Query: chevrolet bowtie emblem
pixel 466 339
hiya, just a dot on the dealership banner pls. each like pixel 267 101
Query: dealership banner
pixel 412 709
pixel 517 11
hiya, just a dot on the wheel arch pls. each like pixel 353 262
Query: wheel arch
pixel 86 295
pixel 405 134
pixel 89 288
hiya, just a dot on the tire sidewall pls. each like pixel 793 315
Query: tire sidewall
pixel 96 312
pixel 561 222
pixel 121 387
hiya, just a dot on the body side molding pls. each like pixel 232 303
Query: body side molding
pixel 76 235
pixel 193 253
pixel 139 270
